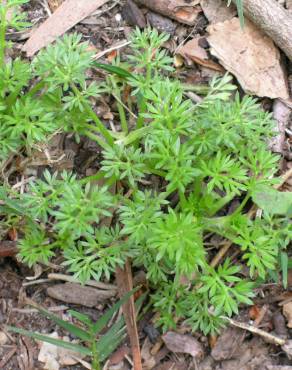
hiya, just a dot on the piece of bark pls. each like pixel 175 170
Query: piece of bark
pixel 273 19
pixel 251 56
pixel 133 15
pixel 182 343
pixel 69 13
pixel 192 50
pixel 125 284
pixel 78 294
pixel 281 114
pixel 217 11
pixel 183 11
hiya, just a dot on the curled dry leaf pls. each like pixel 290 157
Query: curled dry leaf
pixel 179 343
pixel 251 56
pixel 287 312
pixel 192 50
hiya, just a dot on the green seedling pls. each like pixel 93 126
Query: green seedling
pixel 176 167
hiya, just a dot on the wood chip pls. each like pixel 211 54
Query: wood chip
pixel 251 56
pixel 179 343
pixel 78 294
pixel 69 13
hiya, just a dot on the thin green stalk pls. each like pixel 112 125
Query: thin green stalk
pixel 96 138
pixel 106 134
pixel 242 205
pixel 95 358
pixel 221 203
pixel 199 89
pixel 182 199
pixel 121 110
pixel 123 117
pixel 98 176
pixel 142 109
pixel 36 88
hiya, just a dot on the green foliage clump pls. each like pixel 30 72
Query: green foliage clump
pixel 175 169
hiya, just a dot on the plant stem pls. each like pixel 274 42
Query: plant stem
pixel 242 205
pixel 199 89
pixel 142 110
pixel 96 138
pixel 37 87
pixel 122 113
pixel 95 360
pixel 106 134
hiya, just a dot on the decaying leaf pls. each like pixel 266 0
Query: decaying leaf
pixel 251 56
pixel 287 311
pixel 272 200
pixel 192 50
pixel 179 343
pixel 217 11
pixel 69 13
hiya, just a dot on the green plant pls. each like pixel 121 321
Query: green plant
pixel 96 345
pixel 176 168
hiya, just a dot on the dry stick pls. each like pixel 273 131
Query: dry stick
pixel 273 19
pixel 269 337
pixel 125 284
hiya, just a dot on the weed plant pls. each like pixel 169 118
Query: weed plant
pixel 176 166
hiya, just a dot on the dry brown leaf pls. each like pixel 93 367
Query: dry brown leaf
pixel 192 50
pixel 251 56
pixel 69 13
pixel 217 11
pixel 287 312
pixel 181 343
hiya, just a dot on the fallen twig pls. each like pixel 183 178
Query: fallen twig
pixel 269 337
pixel 125 284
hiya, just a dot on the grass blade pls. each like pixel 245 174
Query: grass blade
pixel 54 341
pixel 284 268
pixel 71 328
pixel 101 323
pixel 121 72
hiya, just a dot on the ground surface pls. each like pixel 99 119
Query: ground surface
pixel 235 348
